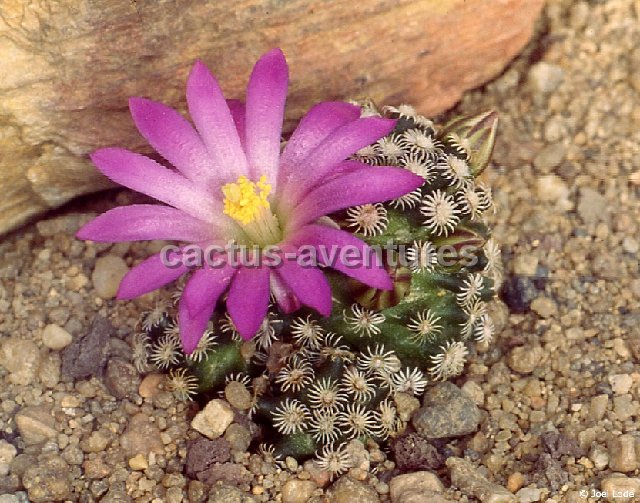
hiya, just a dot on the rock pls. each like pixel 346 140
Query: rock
pixel 202 453
pixel 423 497
pixel 9 498
pixel 297 491
pixel 599 457
pixel 35 424
pixel 150 385
pixel 64 224
pixel 547 159
pixel 592 206
pixel 238 437
pixel 7 454
pixel 550 472
pixel 49 480
pixel 228 494
pixel 318 475
pixel 213 420
pixel 55 337
pixel 227 473
pixel 620 488
pixel 359 457
pixel 624 407
pixel 404 488
pixel 630 245
pixel 529 495
pixel 117 494
pixel 412 452
pixel 21 358
pixel 544 307
pixel 49 139
pixel 518 292
pixel 121 378
pixel 87 355
pixel 620 383
pixel 238 395
pixel 553 189
pixel 406 405
pixel 107 274
pixel 525 359
pixel 447 412
pixel 515 482
pixel 598 407
pixel 545 77
pixel 96 468
pixel 525 265
pixel 622 454
pixel 347 490
pixel 559 444
pixel 465 477
pixel 98 441
pixel 138 462
pixel 473 390
pixel 141 437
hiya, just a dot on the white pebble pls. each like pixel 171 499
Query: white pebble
pixel 214 419
pixel 55 337
pixel 107 274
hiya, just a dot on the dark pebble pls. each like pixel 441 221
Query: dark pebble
pixel 203 453
pixel 87 355
pixel 413 453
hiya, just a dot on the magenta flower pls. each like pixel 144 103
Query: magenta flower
pixel 232 182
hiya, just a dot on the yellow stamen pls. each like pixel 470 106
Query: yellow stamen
pixel 246 202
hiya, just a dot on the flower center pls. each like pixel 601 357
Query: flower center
pixel 246 202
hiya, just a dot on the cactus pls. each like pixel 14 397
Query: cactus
pixel 336 378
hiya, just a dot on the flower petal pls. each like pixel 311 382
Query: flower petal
pixel 332 245
pixel 239 114
pixel 286 299
pixel 171 135
pixel 315 126
pixel 356 186
pixel 145 222
pixel 198 301
pixel 205 283
pixel 210 113
pixel 145 175
pixel 149 275
pixel 336 147
pixel 248 300
pixel 266 96
pixel 308 284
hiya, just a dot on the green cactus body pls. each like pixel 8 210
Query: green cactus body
pixel 334 379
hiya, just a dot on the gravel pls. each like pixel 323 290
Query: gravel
pixel 566 182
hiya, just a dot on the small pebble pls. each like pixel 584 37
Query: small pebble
pixel 55 337
pixel 544 307
pixel 7 454
pixel 515 482
pixel 214 419
pixel 107 274
pixel 549 157
pixel 622 454
pixel 139 462
pixel 151 385
pixel 525 359
pixel 529 495
pixel 598 407
pixel 625 488
pixel 620 383
pixel 402 487
pixel 297 491
pixel 545 77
